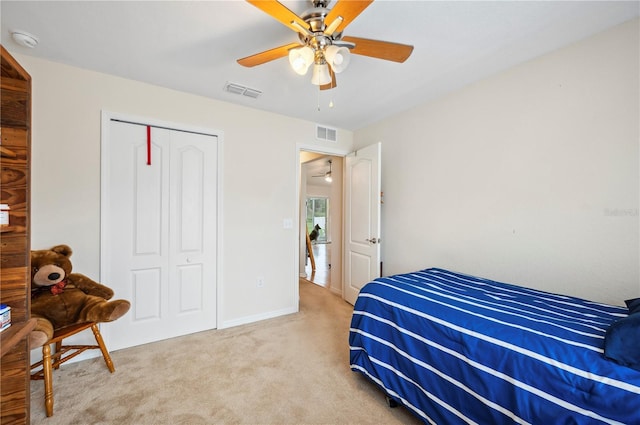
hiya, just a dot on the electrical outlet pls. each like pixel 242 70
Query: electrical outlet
pixel 260 282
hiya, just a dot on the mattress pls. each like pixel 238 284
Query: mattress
pixel 455 348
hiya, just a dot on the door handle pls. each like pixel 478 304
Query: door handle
pixel 373 240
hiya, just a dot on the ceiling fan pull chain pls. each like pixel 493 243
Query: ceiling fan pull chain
pixel 331 99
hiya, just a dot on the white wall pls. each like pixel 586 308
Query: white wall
pixel 530 176
pixel 259 160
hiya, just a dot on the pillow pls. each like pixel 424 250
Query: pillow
pixel 633 305
pixel 622 339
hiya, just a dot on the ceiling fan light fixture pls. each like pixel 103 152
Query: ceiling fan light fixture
pixel 300 59
pixel 338 58
pixel 321 75
pixel 318 29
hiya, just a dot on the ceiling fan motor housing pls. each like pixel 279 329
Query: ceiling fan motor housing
pixel 320 3
pixel 315 18
pixel 316 38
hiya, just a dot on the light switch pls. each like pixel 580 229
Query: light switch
pixel 287 223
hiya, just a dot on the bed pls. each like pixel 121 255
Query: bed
pixel 455 348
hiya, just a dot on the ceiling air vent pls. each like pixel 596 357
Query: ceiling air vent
pixel 326 133
pixel 252 93
pixel 242 90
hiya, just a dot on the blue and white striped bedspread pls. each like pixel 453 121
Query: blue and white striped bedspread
pixel 456 349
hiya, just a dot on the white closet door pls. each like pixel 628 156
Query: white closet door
pixel 160 232
pixel 192 230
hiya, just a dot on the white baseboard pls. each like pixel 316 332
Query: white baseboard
pixel 256 318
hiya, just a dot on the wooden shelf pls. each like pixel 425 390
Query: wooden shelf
pixel 15 158
pixel 6 229
pixel 14 334
pixel 7 153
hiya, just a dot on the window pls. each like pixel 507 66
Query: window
pixel 318 213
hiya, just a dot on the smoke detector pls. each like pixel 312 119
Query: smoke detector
pixel 24 39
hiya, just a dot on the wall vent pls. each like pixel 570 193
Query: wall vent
pixel 242 90
pixel 326 133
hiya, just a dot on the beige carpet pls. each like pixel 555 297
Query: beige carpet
pixel 289 370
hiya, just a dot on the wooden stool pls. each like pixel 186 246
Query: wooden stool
pixel 54 360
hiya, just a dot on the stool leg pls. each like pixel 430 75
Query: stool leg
pixel 58 349
pixel 48 379
pixel 103 348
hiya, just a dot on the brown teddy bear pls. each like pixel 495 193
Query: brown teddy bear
pixel 60 298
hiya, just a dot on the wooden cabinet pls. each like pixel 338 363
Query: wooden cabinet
pixel 15 162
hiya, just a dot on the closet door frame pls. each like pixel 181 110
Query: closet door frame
pixel 106 118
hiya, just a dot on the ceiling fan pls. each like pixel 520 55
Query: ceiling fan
pixel 321 43
pixel 327 175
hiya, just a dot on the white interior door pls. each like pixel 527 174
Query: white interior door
pixel 362 219
pixel 159 232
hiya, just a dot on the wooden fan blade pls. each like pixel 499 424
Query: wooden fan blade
pixel 380 49
pixel 280 12
pixel 267 55
pixel 332 84
pixel 348 10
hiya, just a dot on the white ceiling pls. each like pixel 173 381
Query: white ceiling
pixel 192 46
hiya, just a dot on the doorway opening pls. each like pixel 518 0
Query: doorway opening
pixel 318 265
pixel 318 218
pixel 354 213
pixel 321 218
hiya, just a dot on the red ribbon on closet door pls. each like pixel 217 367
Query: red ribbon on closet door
pixel 148 145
